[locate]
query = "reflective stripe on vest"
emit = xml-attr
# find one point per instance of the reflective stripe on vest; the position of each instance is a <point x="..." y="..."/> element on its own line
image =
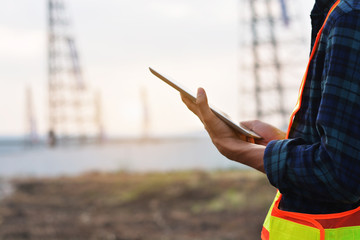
<point x="316" y="45"/>
<point x="284" y="225"/>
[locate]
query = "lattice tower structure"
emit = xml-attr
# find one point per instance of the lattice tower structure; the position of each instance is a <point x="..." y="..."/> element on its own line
<point x="98" y="117"/>
<point x="272" y="58"/>
<point x="31" y="136"/>
<point x="145" y="113"/>
<point x="71" y="103"/>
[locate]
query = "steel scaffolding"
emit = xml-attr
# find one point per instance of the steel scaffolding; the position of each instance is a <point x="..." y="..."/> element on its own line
<point x="71" y="103"/>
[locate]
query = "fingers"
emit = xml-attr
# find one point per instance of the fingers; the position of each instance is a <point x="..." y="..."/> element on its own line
<point x="212" y="124"/>
<point x="246" y="138"/>
<point x="200" y="108"/>
<point x="249" y="124"/>
<point x="191" y="106"/>
<point x="250" y="139"/>
<point x="203" y="106"/>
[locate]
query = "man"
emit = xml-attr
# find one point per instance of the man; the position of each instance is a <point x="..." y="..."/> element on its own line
<point x="316" y="165"/>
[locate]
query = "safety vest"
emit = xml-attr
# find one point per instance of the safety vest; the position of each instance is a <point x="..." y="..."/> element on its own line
<point x="284" y="225"/>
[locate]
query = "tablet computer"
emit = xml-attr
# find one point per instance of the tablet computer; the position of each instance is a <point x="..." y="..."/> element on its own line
<point x="243" y="130"/>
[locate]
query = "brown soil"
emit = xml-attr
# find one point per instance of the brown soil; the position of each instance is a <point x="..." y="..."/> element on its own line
<point x="159" y="206"/>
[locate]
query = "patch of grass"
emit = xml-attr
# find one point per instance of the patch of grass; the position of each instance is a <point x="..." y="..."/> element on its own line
<point x="230" y="199"/>
<point x="174" y="205"/>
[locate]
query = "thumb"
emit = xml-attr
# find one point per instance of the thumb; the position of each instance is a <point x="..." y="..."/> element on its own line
<point x="202" y="102"/>
<point x="248" y="124"/>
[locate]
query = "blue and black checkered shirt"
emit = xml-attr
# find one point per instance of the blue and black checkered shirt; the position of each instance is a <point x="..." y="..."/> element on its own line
<point x="318" y="168"/>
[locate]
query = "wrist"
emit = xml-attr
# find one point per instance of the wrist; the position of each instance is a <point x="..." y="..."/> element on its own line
<point x="252" y="156"/>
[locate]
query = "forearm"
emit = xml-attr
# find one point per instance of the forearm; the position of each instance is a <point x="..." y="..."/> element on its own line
<point x="253" y="156"/>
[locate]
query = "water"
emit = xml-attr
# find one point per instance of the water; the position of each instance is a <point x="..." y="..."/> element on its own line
<point x="131" y="156"/>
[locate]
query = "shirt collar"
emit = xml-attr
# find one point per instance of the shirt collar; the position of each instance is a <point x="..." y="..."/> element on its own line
<point x="318" y="14"/>
<point x="323" y="6"/>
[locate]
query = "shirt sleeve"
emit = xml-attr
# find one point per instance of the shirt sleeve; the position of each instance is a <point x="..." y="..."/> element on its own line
<point x="328" y="170"/>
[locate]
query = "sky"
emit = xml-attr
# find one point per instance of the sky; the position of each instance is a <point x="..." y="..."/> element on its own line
<point x="194" y="41"/>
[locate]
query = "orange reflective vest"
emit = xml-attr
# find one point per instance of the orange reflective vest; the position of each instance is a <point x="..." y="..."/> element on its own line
<point x="284" y="225"/>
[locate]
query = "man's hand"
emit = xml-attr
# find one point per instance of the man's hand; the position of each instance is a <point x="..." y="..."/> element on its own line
<point x="229" y="142"/>
<point x="267" y="131"/>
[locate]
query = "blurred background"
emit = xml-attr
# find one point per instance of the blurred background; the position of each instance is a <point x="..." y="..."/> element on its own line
<point x="93" y="146"/>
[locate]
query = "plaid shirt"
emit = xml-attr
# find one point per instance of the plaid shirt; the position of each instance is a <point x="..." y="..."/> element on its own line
<point x="318" y="168"/>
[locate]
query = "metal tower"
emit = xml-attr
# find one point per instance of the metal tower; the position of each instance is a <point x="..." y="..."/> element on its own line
<point x="30" y="121"/>
<point x="145" y="112"/>
<point x="98" y="117"/>
<point x="268" y="63"/>
<point x="71" y="105"/>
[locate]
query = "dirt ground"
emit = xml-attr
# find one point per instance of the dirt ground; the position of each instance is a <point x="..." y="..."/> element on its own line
<point x="220" y="205"/>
